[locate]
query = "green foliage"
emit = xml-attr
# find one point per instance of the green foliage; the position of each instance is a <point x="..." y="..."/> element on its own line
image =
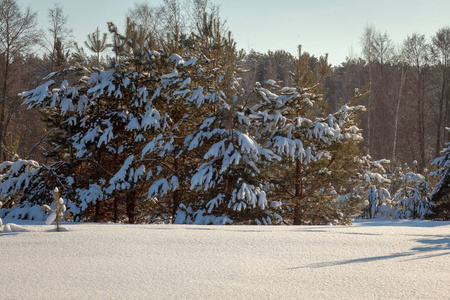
<point x="320" y="153"/>
<point x="10" y="145"/>
<point x="441" y="192"/>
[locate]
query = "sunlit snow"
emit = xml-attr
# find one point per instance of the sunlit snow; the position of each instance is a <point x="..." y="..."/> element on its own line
<point x="369" y="260"/>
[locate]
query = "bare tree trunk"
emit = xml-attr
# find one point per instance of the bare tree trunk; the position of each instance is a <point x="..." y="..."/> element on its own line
<point x="440" y="120"/>
<point x="18" y="35"/>
<point x="97" y="212"/>
<point x="116" y="210"/>
<point x="176" y="202"/>
<point x="4" y="95"/>
<point x="369" y="105"/>
<point x="421" y="119"/>
<point x="397" y="112"/>
<point x="447" y="115"/>
<point x="131" y="208"/>
<point x="441" y="46"/>
<point x="298" y="194"/>
<point x="176" y="198"/>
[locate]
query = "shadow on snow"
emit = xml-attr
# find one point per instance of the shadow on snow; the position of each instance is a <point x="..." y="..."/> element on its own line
<point x="427" y="246"/>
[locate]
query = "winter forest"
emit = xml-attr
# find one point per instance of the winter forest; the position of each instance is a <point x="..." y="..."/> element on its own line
<point x="167" y="121"/>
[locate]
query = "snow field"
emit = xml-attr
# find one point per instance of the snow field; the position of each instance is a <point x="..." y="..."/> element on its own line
<point x="370" y="260"/>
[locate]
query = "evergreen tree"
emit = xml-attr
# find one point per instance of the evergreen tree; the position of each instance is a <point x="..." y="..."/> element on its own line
<point x="441" y="192"/>
<point x="374" y="186"/>
<point x="411" y="198"/>
<point x="25" y="184"/>
<point x="317" y="150"/>
<point x="208" y="137"/>
<point x="96" y="44"/>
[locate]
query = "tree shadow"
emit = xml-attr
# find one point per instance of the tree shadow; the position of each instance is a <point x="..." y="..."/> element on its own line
<point x="434" y="244"/>
<point x="198" y="228"/>
<point x="8" y="233"/>
<point x="400" y="223"/>
<point x="352" y="261"/>
<point x="430" y="247"/>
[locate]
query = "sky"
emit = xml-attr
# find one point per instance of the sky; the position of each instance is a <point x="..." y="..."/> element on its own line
<point x="320" y="26"/>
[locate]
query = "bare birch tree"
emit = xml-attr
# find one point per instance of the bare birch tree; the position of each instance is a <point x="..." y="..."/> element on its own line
<point x="417" y="54"/>
<point x="18" y="34"/>
<point x="367" y="41"/>
<point x="441" y="52"/>
<point x="61" y="36"/>
<point x="403" y="71"/>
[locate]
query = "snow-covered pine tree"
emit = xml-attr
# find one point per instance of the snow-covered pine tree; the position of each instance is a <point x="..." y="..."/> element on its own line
<point x="131" y="122"/>
<point x="229" y="180"/>
<point x="411" y="198"/>
<point x="152" y="86"/>
<point x="15" y="177"/>
<point x="113" y="115"/>
<point x="171" y="112"/>
<point x="208" y="166"/>
<point x="67" y="103"/>
<point x="440" y="195"/>
<point x="373" y="186"/>
<point x="320" y="152"/>
<point x="25" y="185"/>
<point x="180" y="99"/>
<point x="182" y="95"/>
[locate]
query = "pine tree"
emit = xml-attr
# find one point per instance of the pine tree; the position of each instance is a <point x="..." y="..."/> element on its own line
<point x="317" y="149"/>
<point x="96" y="44"/>
<point x="411" y="197"/>
<point x="207" y="116"/>
<point x="441" y="192"/>
<point x="58" y="212"/>
<point x="373" y="187"/>
<point x="25" y="185"/>
<point x="118" y="114"/>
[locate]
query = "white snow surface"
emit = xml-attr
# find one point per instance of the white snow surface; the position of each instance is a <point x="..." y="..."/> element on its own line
<point x="379" y="259"/>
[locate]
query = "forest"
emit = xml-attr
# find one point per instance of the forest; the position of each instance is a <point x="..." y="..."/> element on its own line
<point x="167" y="121"/>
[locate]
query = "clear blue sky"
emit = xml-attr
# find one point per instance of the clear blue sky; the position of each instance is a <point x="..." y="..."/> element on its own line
<point x="321" y="26"/>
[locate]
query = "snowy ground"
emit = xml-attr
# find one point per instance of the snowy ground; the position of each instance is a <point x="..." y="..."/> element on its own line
<point x="369" y="260"/>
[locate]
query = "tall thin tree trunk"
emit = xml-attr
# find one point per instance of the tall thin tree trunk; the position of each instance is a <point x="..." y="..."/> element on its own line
<point x="397" y="112"/>
<point x="4" y="95"/>
<point x="447" y="113"/>
<point x="298" y="194"/>
<point x="131" y="207"/>
<point x="116" y="210"/>
<point x="176" y="198"/>
<point x="421" y="119"/>
<point x="97" y="212"/>
<point x="369" y="105"/>
<point x="440" y="119"/>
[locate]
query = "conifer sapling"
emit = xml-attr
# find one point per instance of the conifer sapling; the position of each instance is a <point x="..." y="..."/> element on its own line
<point x="58" y="212"/>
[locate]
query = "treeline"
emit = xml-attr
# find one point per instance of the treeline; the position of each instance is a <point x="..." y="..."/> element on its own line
<point x="175" y="124"/>
<point x="408" y="104"/>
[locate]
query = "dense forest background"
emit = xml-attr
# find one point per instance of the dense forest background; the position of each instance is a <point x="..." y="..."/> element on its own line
<point x="407" y="85"/>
